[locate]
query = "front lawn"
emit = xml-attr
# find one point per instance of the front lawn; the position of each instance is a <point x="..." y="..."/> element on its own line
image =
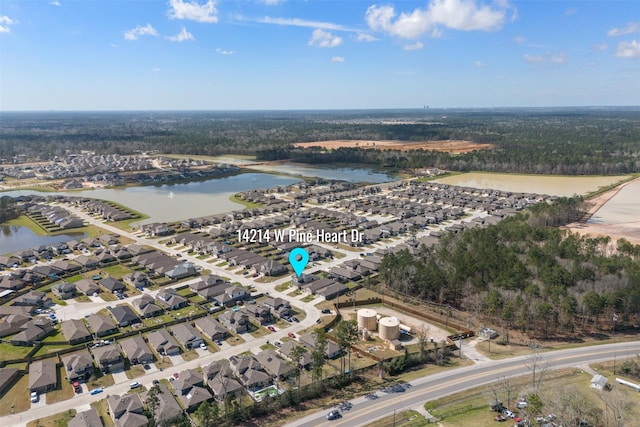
<point x="56" y="420"/>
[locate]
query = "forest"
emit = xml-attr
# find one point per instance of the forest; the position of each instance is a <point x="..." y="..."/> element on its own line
<point x="526" y="273"/>
<point x="541" y="141"/>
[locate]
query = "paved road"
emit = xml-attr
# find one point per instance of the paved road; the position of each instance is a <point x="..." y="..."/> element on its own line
<point x="365" y="411"/>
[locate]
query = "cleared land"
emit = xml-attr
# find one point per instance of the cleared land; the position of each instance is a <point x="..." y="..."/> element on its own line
<point x="448" y="145"/>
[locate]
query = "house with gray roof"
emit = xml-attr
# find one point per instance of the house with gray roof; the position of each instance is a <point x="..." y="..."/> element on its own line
<point x="162" y="342"/>
<point x="286" y="349"/>
<point x="32" y="331"/>
<point x="112" y="285"/>
<point x="211" y="328"/>
<point x="123" y="315"/>
<point x="79" y="365"/>
<point x="275" y="366"/>
<point x="170" y="299"/>
<point x="75" y="331"/>
<point x="109" y="358"/>
<point x="64" y="290"/>
<point x="190" y="390"/>
<point x="43" y="375"/>
<point x="127" y="410"/>
<point x="187" y="335"/>
<point x="8" y="377"/>
<point x="101" y="325"/>
<point x="89" y="418"/>
<point x="136" y="350"/>
<point x="146" y="306"/>
<point x="235" y="321"/>
<point x="224" y="384"/>
<point x="250" y="372"/>
<point x="168" y="408"/>
<point x="88" y="287"/>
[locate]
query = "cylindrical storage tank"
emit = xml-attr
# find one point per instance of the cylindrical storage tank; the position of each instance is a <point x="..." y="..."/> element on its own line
<point x="389" y="328"/>
<point x="367" y="319"/>
<point x="365" y="334"/>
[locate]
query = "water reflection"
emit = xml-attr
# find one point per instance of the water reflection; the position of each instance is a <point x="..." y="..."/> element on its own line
<point x="15" y="238"/>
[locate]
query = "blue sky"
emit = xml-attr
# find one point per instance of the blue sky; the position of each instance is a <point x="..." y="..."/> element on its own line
<point x="325" y="54"/>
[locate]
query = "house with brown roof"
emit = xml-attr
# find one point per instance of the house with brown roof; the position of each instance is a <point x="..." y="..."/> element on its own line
<point x="75" y="331"/>
<point x="224" y="384"/>
<point x="33" y="298"/>
<point x="101" y="325"/>
<point x="162" y="342"/>
<point x="286" y="349"/>
<point x="123" y="315"/>
<point x="275" y="366"/>
<point x="112" y="285"/>
<point x="88" y="287"/>
<point x="79" y="365"/>
<point x="190" y="390"/>
<point x="32" y="331"/>
<point x="12" y="324"/>
<point x="170" y="299"/>
<point x="332" y="349"/>
<point x="168" y="408"/>
<point x="8" y="377"/>
<point x="250" y="372"/>
<point x="43" y="375"/>
<point x="146" y="307"/>
<point x="136" y="350"/>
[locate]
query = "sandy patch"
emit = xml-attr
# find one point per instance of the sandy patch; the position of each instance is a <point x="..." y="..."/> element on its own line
<point x="449" y="145"/>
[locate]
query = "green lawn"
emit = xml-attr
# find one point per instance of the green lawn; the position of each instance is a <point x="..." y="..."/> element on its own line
<point x="16" y="399"/>
<point x="10" y="352"/>
<point x="56" y="420"/>
<point x="117" y="271"/>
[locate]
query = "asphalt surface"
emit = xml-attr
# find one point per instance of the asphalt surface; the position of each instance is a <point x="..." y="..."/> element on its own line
<point x="364" y="411"/>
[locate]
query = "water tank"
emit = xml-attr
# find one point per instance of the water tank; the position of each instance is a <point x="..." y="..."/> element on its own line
<point x="389" y="328"/>
<point x="367" y="319"/>
<point x="365" y="334"/>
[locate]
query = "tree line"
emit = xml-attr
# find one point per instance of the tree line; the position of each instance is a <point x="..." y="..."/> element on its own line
<point x="525" y="273"/>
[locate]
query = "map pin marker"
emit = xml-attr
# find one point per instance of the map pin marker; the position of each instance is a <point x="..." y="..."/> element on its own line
<point x="298" y="258"/>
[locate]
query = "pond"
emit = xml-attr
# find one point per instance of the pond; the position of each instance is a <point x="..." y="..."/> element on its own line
<point x="15" y="238"/>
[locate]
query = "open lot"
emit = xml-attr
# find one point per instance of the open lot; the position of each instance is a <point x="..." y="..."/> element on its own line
<point x="449" y="145"/>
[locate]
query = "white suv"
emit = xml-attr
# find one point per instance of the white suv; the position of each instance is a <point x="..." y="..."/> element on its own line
<point x="34" y="396"/>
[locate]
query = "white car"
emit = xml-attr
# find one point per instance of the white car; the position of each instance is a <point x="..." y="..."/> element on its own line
<point x="203" y="346"/>
<point x="508" y="413"/>
<point x="521" y="405"/>
<point x="34" y="396"/>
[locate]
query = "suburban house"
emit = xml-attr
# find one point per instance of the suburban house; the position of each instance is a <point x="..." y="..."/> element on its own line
<point x="64" y="290"/>
<point x="86" y="261"/>
<point x="279" y="306"/>
<point x="123" y="315"/>
<point x="211" y="328"/>
<point x="181" y="271"/>
<point x="287" y="348"/>
<point x="221" y="380"/>
<point x="146" y="306"/>
<point x="235" y="321"/>
<point x="162" y="342"/>
<point x="32" y="331"/>
<point x="88" y="287"/>
<point x="112" y="285"/>
<point x="127" y="410"/>
<point x="33" y="298"/>
<point x="79" y="365"/>
<point x="250" y="372"/>
<point x="168" y="408"/>
<point x="109" y="358"/>
<point x="75" y="331"/>
<point x="170" y="299"/>
<point x="211" y="292"/>
<point x="89" y="418"/>
<point x="259" y="313"/>
<point x="187" y="335"/>
<point x="8" y="377"/>
<point x="332" y="350"/>
<point x="278" y="368"/>
<point x="101" y="325"/>
<point x="137" y="279"/>
<point x="189" y="389"/>
<point x="43" y="375"/>
<point x="136" y="350"/>
<point x="231" y="296"/>
<point x="12" y="324"/>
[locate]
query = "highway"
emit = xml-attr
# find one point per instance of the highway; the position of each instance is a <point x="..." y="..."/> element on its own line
<point x="365" y="411"/>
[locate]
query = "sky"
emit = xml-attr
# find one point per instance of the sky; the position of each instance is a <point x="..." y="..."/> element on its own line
<point x="317" y="54"/>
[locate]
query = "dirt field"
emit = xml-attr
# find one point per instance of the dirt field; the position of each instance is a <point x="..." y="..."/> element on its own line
<point x="629" y="230"/>
<point x="450" y="146"/>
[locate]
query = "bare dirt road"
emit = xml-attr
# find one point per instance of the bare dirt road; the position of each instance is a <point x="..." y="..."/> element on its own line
<point x="449" y="145"/>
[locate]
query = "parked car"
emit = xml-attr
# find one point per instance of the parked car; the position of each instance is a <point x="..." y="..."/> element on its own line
<point x="76" y="387"/>
<point x="156" y="382"/>
<point x="34" y="396"/>
<point x="333" y="415"/>
<point x="295" y="319"/>
<point x="96" y="390"/>
<point x="134" y="384"/>
<point x="292" y="335"/>
<point x="271" y="328"/>
<point x="203" y="346"/>
<point x="521" y="405"/>
<point x="277" y="343"/>
<point x="508" y="413"/>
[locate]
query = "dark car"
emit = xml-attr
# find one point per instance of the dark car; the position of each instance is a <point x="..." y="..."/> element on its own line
<point x="333" y="415"/>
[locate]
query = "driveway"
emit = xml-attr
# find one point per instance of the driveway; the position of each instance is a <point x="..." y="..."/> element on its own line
<point x="120" y="377"/>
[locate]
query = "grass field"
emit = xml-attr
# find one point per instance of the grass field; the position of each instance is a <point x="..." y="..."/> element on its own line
<point x="401" y="419"/>
<point x="56" y="420"/>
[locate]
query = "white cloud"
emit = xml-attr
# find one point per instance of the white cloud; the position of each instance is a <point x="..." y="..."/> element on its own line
<point x="436" y="33"/>
<point x="182" y="36"/>
<point x="465" y="15"/>
<point x="533" y="59"/>
<point x="193" y="10"/>
<point x="54" y="3"/>
<point x="632" y="27"/>
<point x="628" y="49"/>
<point x="479" y="64"/>
<point x="337" y="59"/>
<point x="224" y="52"/>
<point x="414" y="46"/>
<point x="601" y="46"/>
<point x="296" y="22"/>
<point x="134" y="33"/>
<point x="323" y="38"/>
<point x="364" y="37"/>
<point x="519" y="39"/>
<point x="155" y="70"/>
<point x="5" y="22"/>
<point x="555" y="58"/>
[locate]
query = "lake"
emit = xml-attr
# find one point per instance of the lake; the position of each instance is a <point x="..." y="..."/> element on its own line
<point x="553" y="185"/>
<point x="624" y="207"/>
<point x="15" y="238"/>
<point x="343" y="173"/>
